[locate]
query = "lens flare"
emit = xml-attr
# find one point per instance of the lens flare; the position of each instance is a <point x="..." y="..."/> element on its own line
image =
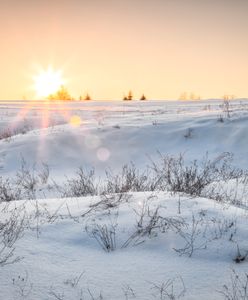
<point x="92" y="141"/>
<point x="48" y="82"/>
<point x="75" y="121"/>
<point x="103" y="154"/>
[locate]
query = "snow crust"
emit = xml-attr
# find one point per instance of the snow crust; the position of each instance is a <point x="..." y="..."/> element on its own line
<point x="61" y="260"/>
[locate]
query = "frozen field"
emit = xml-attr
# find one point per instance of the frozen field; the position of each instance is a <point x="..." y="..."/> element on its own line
<point x="109" y="134"/>
<point x="133" y="243"/>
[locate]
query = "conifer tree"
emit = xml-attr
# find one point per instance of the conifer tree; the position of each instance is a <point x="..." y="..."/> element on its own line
<point x="61" y="94"/>
<point x="143" y="97"/>
<point x="87" y="97"/>
<point x="130" y="96"/>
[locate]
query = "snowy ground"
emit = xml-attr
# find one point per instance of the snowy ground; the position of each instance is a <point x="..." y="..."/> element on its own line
<point x="60" y="257"/>
<point x="62" y="250"/>
<point x="111" y="134"/>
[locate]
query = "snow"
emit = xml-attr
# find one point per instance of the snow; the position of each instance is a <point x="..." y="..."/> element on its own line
<point x="122" y="130"/>
<point x="63" y="250"/>
<point x="60" y="260"/>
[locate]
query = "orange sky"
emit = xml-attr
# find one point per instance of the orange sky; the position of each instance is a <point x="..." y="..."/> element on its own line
<point x="106" y="47"/>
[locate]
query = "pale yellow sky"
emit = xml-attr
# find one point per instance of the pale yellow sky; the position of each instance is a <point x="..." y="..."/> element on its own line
<point x="107" y="47"/>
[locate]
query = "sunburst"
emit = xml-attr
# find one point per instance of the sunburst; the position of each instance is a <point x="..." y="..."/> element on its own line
<point x="47" y="82"/>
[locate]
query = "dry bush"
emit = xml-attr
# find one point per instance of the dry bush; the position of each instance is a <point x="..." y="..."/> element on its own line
<point x="150" y="222"/>
<point x="84" y="184"/>
<point x="104" y="234"/>
<point x="107" y="202"/>
<point x="223" y="226"/>
<point x="174" y="174"/>
<point x="129" y="179"/>
<point x="6" y="134"/>
<point x="169" y="173"/>
<point x="11" y="229"/>
<point x="172" y="289"/>
<point x="229" y="191"/>
<point x="237" y="289"/>
<point x="29" y="180"/>
<point x="192" y="236"/>
<point x="25" y="184"/>
<point x="8" y="190"/>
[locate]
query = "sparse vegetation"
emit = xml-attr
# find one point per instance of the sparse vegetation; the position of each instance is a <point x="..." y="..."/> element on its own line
<point x="174" y="174"/>
<point x="191" y="236"/>
<point x="87" y="97"/>
<point x="237" y="288"/>
<point x="189" y="96"/>
<point x="188" y="133"/>
<point x="143" y="97"/>
<point x="181" y="231"/>
<point x="105" y="235"/>
<point x="11" y="229"/>
<point x="129" y="179"/>
<point x="84" y="184"/>
<point x="150" y="222"/>
<point x="25" y="184"/>
<point x="168" y="173"/>
<point x="129" y="97"/>
<point x="172" y="289"/>
<point x="61" y="94"/>
<point x="101" y="218"/>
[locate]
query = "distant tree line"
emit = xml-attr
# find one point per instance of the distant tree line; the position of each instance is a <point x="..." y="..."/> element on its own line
<point x="228" y="97"/>
<point x="129" y="97"/>
<point x="189" y="96"/>
<point x="192" y="96"/>
<point x="63" y="94"/>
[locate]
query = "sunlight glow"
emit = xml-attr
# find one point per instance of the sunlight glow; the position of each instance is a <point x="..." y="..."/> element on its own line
<point x="103" y="154"/>
<point x="75" y="121"/>
<point x="48" y="82"/>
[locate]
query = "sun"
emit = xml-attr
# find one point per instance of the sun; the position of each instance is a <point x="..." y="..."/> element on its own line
<point x="47" y="82"/>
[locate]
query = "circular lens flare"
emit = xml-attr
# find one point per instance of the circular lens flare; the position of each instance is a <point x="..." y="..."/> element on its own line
<point x="75" y="121"/>
<point x="103" y="154"/>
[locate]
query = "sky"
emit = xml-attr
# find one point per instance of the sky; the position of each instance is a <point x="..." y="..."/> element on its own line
<point x="107" y="47"/>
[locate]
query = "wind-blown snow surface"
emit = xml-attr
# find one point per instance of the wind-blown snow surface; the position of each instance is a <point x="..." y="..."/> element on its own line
<point x="62" y="251"/>
<point x="61" y="260"/>
<point x="114" y="133"/>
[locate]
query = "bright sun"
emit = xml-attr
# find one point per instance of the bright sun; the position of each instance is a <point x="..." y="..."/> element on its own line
<point x="48" y="82"/>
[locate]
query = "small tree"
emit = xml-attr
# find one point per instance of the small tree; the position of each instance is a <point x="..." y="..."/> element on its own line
<point x="130" y="96"/>
<point x="143" y="97"/>
<point x="61" y="94"/>
<point x="228" y="97"/>
<point x="183" y="96"/>
<point x="87" y="97"/>
<point x="192" y="96"/>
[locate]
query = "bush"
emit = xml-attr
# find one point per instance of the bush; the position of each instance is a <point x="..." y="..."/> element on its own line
<point x="104" y="234"/>
<point x="129" y="179"/>
<point x="8" y="191"/>
<point x="199" y="178"/>
<point x="25" y="184"/>
<point x="11" y="230"/>
<point x="174" y="174"/>
<point x="82" y="185"/>
<point x="237" y="289"/>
